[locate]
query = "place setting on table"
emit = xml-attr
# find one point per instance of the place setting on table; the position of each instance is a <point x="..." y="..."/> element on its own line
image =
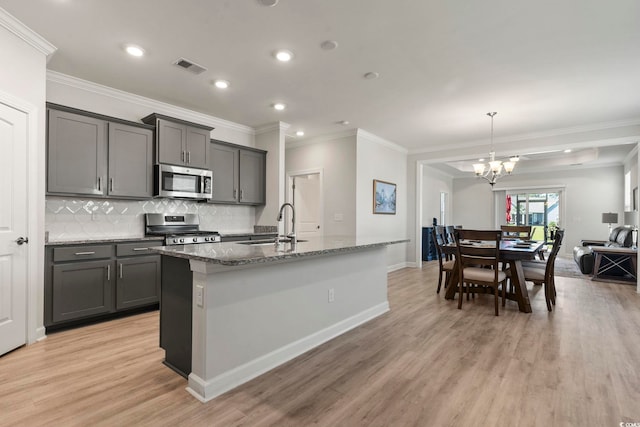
<point x="512" y="251"/>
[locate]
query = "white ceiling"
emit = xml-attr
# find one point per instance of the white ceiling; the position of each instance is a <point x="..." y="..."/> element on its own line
<point x="542" y="65"/>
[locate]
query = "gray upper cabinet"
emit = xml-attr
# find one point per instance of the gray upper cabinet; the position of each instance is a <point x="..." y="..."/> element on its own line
<point x="252" y="177"/>
<point x="94" y="155"/>
<point x="238" y="174"/>
<point x="77" y="154"/>
<point x="224" y="164"/>
<point x="180" y="142"/>
<point x="130" y="161"/>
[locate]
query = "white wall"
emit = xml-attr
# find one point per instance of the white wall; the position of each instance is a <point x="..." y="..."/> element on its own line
<point x="435" y="182"/>
<point x="23" y="77"/>
<point x="336" y="157"/>
<point x="377" y="159"/>
<point x="587" y="194"/>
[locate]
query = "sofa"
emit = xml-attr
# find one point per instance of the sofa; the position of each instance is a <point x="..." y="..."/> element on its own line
<point x="583" y="254"/>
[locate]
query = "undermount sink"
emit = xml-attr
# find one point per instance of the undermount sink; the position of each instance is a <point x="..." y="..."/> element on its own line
<point x="267" y="242"/>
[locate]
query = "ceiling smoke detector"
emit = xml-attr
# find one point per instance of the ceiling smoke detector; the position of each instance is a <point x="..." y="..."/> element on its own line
<point x="189" y="66"/>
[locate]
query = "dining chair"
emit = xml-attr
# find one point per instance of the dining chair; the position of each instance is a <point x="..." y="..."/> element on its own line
<point x="522" y="232"/>
<point x="445" y="263"/>
<point x="449" y="232"/>
<point x="477" y="254"/>
<point x="540" y="276"/>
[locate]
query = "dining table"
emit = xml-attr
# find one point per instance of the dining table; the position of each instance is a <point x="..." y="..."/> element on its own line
<point x="512" y="252"/>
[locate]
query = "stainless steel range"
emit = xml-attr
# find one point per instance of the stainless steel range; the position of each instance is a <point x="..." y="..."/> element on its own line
<point x="180" y="229"/>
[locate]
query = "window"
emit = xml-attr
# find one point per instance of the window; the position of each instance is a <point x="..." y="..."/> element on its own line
<point x="539" y="210"/>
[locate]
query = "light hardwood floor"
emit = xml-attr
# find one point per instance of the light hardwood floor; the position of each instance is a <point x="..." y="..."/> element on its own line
<point x="425" y="363"/>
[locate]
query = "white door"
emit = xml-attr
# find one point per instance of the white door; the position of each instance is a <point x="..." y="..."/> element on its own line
<point x="13" y="226"/>
<point x="307" y="198"/>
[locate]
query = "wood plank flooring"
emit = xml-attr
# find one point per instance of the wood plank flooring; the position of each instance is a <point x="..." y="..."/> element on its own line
<point x="425" y="363"/>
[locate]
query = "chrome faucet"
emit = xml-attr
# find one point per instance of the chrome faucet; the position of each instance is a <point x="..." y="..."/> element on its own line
<point x="291" y="235"/>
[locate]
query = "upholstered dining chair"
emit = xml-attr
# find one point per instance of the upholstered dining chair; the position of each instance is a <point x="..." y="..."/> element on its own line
<point x="477" y="253"/>
<point x="533" y="272"/>
<point x="445" y="263"/>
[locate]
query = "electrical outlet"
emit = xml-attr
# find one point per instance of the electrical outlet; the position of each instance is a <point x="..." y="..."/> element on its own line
<point x="332" y="295"/>
<point x="199" y="295"/>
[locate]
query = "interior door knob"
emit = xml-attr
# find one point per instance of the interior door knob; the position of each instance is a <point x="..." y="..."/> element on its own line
<point x="22" y="240"/>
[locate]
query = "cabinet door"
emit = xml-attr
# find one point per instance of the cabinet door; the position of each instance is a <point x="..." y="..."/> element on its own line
<point x="138" y="281"/>
<point x="82" y="289"/>
<point x="197" y="147"/>
<point x="171" y="139"/>
<point x="224" y="164"/>
<point x="252" y="177"/>
<point x="130" y="161"/>
<point x="76" y="155"/>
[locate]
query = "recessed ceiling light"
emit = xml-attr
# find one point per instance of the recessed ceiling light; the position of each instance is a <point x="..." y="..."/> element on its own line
<point x="371" y="75"/>
<point x="134" y="50"/>
<point x="283" y="55"/>
<point x="279" y="106"/>
<point x="343" y="122"/>
<point x="269" y="3"/>
<point x="329" y="45"/>
<point x="300" y="133"/>
<point x="568" y="150"/>
<point x="481" y="160"/>
<point x="221" y="84"/>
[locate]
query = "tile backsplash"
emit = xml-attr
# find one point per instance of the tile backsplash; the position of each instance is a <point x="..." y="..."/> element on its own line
<point x="86" y="219"/>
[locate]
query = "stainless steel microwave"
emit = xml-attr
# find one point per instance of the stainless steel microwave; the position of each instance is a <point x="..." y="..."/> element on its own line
<point x="183" y="183"/>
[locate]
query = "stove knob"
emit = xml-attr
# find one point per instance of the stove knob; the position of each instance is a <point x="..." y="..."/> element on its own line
<point x="206" y="239"/>
<point x="181" y="240"/>
<point x="175" y="240"/>
<point x="195" y="240"/>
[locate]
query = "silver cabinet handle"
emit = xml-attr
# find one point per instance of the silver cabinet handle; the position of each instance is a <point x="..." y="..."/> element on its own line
<point x="240" y="194"/>
<point x="108" y="272"/>
<point x="140" y="249"/>
<point x="189" y="157"/>
<point x="121" y="270"/>
<point x="182" y="156"/>
<point x="99" y="183"/>
<point x="85" y="253"/>
<point x="110" y="184"/>
<point x="235" y="193"/>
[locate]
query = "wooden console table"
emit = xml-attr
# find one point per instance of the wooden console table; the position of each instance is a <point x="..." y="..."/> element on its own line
<point x="607" y="258"/>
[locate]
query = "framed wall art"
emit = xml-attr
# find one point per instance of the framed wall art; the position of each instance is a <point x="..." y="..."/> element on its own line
<point x="384" y="197"/>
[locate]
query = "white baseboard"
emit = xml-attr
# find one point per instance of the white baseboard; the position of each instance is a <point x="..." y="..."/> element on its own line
<point x="206" y="390"/>
<point x="401" y="265"/>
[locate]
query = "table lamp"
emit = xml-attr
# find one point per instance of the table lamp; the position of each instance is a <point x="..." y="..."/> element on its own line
<point x="609" y="218"/>
<point x="631" y="219"/>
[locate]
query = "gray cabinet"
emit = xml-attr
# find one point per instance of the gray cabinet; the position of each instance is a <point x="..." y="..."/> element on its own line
<point x="83" y="282"/>
<point x="94" y="155"/>
<point x="238" y="174"/>
<point x="180" y="142"/>
<point x="130" y="161"/>
<point x="76" y="154"/>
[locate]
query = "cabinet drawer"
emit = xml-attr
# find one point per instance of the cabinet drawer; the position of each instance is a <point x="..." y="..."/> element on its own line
<point x="137" y="248"/>
<point x="77" y="253"/>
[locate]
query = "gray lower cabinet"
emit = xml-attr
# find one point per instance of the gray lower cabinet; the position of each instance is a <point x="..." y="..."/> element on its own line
<point x="239" y="174"/>
<point x="82" y="289"/>
<point x="138" y="281"/>
<point x="180" y="142"/>
<point x="86" y="281"/>
<point x="93" y="155"/>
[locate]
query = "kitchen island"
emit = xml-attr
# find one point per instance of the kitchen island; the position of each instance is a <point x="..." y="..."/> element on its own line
<point x="237" y="310"/>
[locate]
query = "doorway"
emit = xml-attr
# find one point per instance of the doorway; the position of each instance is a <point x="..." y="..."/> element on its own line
<point x="540" y="210"/>
<point x="306" y="194"/>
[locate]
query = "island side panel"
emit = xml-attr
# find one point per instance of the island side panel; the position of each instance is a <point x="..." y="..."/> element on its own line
<point x="256" y="317"/>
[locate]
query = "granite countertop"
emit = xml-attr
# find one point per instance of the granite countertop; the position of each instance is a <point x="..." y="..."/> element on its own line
<point x="234" y="253"/>
<point x="104" y="241"/>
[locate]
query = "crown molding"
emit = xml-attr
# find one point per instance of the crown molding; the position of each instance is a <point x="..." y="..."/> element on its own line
<point x="280" y="126"/>
<point x="152" y="104"/>
<point x="25" y="33"/>
<point x="532" y="136"/>
<point x="381" y="141"/>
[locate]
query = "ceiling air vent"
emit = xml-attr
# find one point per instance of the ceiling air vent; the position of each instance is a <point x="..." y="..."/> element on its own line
<point x="189" y="66"/>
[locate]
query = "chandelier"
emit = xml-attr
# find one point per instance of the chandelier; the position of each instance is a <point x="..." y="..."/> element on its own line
<point x="494" y="171"/>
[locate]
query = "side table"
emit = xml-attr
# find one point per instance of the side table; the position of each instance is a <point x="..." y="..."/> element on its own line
<point x="608" y="259"/>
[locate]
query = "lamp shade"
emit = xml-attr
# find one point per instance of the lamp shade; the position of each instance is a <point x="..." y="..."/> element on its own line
<point x="609" y="218"/>
<point x="631" y="218"/>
